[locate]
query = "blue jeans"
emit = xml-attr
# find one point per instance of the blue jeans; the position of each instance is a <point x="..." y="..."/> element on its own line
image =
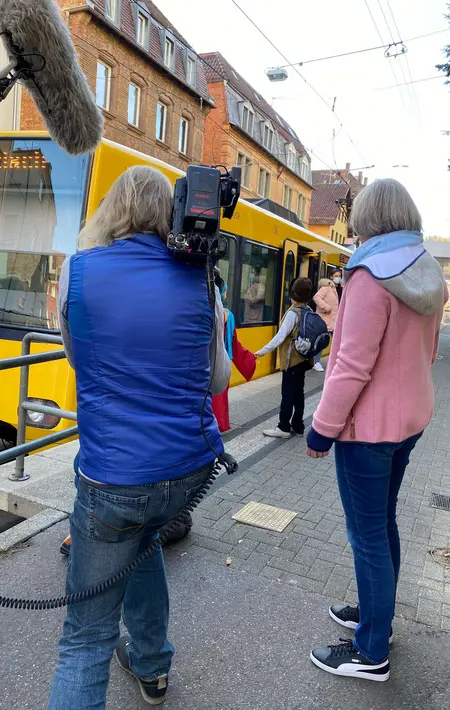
<point x="110" y="526"/>
<point x="369" y="478"/>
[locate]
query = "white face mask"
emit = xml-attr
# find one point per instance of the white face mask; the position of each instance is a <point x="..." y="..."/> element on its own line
<point x="337" y="281"/>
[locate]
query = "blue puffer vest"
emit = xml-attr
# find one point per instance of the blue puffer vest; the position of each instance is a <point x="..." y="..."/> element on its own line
<point x="141" y="326"/>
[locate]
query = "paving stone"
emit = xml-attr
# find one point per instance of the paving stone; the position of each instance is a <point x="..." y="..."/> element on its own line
<point x="321" y="571"/>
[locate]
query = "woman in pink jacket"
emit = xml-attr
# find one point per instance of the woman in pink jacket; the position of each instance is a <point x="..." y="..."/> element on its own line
<point x="377" y="400"/>
<point x="327" y="306"/>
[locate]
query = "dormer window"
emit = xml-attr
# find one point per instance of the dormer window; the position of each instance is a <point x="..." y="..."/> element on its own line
<point x="142" y="29"/>
<point x="268" y="136"/>
<point x="169" y="53"/>
<point x="191" y="71"/>
<point x="291" y="157"/>
<point x="112" y="10"/>
<point x="248" y="118"/>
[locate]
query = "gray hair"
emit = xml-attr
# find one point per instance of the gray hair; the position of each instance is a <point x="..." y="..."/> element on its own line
<point x="140" y="200"/>
<point x="382" y="207"/>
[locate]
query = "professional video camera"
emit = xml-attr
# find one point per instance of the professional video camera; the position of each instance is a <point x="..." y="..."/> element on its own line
<point x="195" y="235"/>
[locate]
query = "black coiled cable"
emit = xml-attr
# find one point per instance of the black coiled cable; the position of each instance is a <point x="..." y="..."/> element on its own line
<point x="101" y="587"/>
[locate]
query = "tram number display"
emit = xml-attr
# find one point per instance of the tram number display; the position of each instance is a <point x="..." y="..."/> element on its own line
<point x="23" y="160"/>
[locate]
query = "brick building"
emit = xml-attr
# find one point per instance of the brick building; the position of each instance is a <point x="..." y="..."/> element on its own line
<point x="147" y="78"/>
<point x="330" y="205"/>
<point x="341" y="177"/>
<point x="244" y="129"/>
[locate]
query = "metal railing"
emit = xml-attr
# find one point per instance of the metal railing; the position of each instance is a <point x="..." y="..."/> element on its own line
<point x="24" y="361"/>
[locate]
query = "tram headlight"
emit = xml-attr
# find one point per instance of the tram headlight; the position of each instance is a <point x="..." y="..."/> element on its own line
<point x="41" y="420"/>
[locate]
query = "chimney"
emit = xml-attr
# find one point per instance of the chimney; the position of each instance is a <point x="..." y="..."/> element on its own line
<point x="360" y="178"/>
<point x="347" y="166"/>
<point x="366" y="180"/>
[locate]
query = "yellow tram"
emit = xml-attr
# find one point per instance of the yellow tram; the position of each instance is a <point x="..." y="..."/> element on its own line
<point x="45" y="195"/>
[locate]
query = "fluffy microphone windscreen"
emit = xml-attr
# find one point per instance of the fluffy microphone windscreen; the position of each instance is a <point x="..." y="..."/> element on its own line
<point x="59" y="87"/>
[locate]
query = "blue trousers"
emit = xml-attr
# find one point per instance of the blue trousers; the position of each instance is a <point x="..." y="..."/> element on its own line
<point x="369" y="478"/>
<point x="110" y="526"/>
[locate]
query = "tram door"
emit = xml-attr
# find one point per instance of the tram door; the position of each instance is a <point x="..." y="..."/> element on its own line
<point x="290" y="265"/>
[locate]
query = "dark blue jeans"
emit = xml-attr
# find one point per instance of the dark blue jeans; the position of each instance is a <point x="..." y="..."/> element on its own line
<point x="110" y="526"/>
<point x="369" y="477"/>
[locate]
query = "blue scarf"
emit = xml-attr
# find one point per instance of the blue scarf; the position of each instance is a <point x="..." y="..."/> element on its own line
<point x="387" y="255"/>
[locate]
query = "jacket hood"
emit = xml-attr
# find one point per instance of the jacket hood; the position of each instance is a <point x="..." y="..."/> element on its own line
<point x="402" y="265"/>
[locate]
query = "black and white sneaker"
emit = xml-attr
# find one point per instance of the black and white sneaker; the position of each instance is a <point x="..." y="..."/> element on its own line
<point x="153" y="691"/>
<point x="348" y="616"/>
<point x="345" y="660"/>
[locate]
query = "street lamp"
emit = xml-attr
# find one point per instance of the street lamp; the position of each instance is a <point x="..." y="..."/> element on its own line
<point x="276" y="74"/>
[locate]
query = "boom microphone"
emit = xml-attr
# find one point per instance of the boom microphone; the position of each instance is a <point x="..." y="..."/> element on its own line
<point x="42" y="57"/>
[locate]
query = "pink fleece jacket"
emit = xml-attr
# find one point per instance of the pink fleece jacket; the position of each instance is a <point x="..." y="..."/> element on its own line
<point x="378" y="386"/>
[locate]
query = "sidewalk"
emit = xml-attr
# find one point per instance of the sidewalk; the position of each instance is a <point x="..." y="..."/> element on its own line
<point x="243" y="632"/>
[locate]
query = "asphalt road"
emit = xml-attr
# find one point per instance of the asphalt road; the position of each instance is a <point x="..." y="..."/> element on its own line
<point x="242" y="643"/>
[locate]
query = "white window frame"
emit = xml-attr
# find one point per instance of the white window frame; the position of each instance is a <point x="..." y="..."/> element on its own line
<point x="291" y="157"/>
<point x="114" y="15"/>
<point x="288" y="194"/>
<point x="169" y="53"/>
<point x="265" y="177"/>
<point x="246" y="163"/>
<point x="107" y="88"/>
<point x="137" y="106"/>
<point x="191" y="71"/>
<point x="269" y="131"/>
<point x="183" y="140"/>
<point x="142" y="29"/>
<point x="164" y="122"/>
<point x="248" y="118"/>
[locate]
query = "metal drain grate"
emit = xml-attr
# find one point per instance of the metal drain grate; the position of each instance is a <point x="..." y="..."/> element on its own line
<point x="265" y="516"/>
<point x="440" y="501"/>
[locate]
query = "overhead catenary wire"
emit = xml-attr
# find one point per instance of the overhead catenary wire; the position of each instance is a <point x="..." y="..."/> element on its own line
<point x="318" y="94"/>
<point x="408" y="67"/>
<point x="362" y="50"/>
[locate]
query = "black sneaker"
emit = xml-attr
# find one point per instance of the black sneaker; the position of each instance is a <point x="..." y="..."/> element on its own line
<point x="153" y="691"/>
<point x="348" y="616"/>
<point x="345" y="660"/>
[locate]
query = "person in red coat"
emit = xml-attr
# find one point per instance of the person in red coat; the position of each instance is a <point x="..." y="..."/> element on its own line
<point x="242" y="358"/>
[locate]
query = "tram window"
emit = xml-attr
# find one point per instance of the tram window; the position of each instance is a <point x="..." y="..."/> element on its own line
<point x="227" y="268"/>
<point x="258" y="284"/>
<point x="41" y="204"/>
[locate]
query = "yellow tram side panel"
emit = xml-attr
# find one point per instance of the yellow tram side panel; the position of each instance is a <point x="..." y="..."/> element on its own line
<point x="55" y="381"/>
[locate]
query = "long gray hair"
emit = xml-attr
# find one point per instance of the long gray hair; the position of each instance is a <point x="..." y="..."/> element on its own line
<point x="140" y="200"/>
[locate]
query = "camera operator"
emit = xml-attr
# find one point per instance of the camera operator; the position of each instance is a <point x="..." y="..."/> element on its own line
<point x="142" y="362"/>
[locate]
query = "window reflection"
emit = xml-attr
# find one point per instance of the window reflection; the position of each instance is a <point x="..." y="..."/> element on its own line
<point x="41" y="203"/>
<point x="258" y="284"/>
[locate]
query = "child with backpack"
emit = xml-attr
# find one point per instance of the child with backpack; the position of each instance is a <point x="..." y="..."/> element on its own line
<point x="301" y="336"/>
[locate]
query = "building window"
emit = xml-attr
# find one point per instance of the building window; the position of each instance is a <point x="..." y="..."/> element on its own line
<point x="248" y="119"/>
<point x="169" y="53"/>
<point x="287" y="197"/>
<point x="161" y="121"/>
<point x="184" y="136"/>
<point x="291" y="157"/>
<point x="142" y="29"/>
<point x="246" y="164"/>
<point x="112" y="10"/>
<point x="191" y="73"/>
<point x="264" y="183"/>
<point x="103" y="85"/>
<point x="332" y="235"/>
<point x="301" y="207"/>
<point x="268" y="137"/>
<point x="259" y="291"/>
<point x="134" y="104"/>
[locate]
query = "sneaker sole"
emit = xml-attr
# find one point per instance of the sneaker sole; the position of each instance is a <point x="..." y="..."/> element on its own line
<point x="276" y="436"/>
<point x="351" y="624"/>
<point x="149" y="701"/>
<point x="378" y="677"/>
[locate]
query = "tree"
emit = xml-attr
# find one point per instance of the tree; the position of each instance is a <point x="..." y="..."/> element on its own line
<point x="445" y="68"/>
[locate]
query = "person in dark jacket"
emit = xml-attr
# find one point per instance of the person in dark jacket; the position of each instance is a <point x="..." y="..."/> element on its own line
<point x="142" y="365"/>
<point x="336" y="277"/>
